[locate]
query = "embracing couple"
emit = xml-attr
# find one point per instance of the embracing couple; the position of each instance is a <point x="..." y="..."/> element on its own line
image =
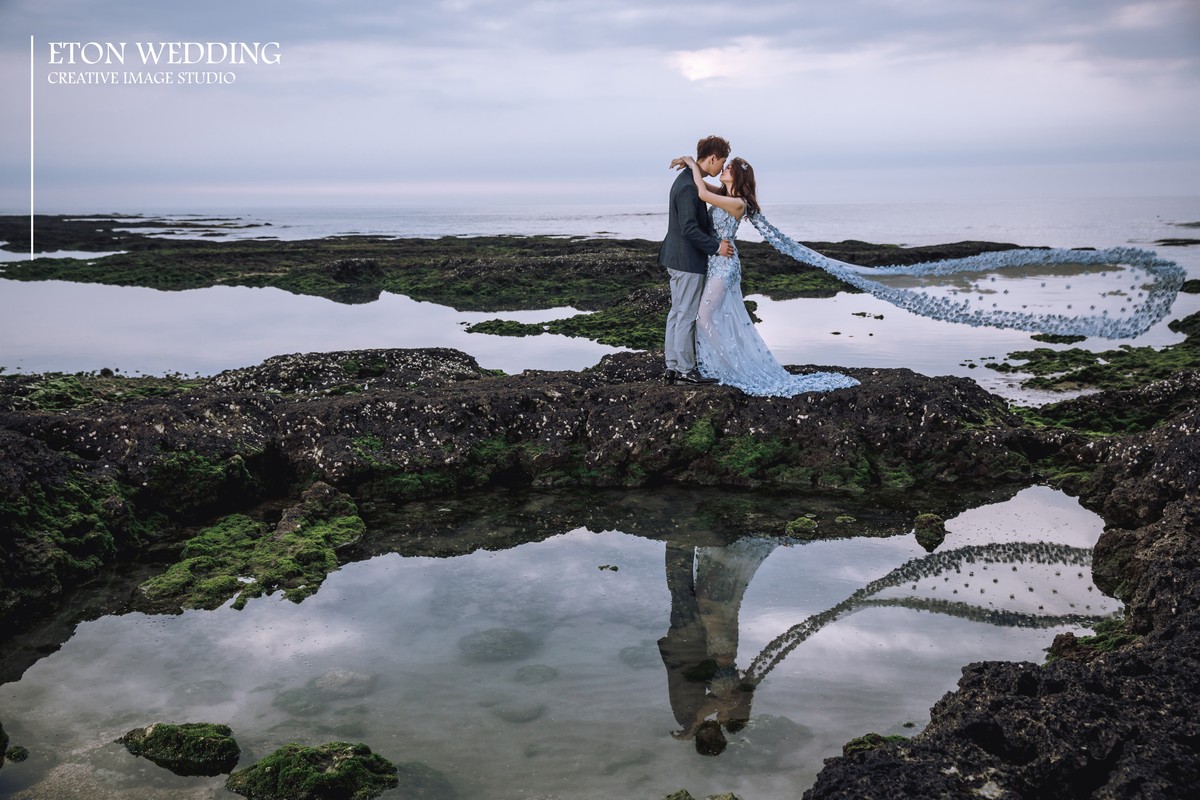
<point x="710" y="337"/>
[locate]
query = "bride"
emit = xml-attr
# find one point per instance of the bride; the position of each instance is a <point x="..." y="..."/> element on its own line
<point x="1127" y="291"/>
<point x="728" y="347"/>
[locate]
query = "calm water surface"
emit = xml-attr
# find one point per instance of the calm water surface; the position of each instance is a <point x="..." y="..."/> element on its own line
<point x="540" y="671"/>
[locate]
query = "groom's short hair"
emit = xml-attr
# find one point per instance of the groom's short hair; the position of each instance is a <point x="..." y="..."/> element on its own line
<point x="712" y="146"/>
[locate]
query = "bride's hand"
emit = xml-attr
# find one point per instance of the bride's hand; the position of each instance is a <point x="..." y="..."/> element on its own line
<point x="679" y="163"/>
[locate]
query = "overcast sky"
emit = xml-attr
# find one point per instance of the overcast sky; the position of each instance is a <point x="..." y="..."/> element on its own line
<point x="540" y="101"/>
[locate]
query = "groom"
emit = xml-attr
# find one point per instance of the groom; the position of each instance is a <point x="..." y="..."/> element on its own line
<point x="685" y="251"/>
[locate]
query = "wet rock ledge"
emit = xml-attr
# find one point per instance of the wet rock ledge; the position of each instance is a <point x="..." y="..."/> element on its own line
<point x="1116" y="715"/>
<point x="94" y="469"/>
<point x="97" y="476"/>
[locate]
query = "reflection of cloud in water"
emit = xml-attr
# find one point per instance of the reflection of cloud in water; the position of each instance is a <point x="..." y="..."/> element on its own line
<point x="603" y="722"/>
<point x="55" y="325"/>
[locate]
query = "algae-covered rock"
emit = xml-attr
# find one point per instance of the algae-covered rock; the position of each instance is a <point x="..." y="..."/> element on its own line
<point x="334" y="771"/>
<point x="802" y="527"/>
<point x="241" y="557"/>
<point x="869" y="741"/>
<point x="930" y="530"/>
<point x="193" y="748"/>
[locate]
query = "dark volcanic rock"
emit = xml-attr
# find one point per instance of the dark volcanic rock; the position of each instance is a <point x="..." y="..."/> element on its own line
<point x="404" y="424"/>
<point x="1111" y="721"/>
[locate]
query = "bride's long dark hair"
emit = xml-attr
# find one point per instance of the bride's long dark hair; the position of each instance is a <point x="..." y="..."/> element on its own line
<point x="742" y="175"/>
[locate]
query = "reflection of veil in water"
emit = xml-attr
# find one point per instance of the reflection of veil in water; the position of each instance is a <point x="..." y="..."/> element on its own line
<point x="939" y="564"/>
<point x="1127" y="306"/>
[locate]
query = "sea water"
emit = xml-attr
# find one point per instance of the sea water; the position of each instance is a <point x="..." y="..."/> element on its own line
<point x="535" y="671"/>
<point x="58" y="326"/>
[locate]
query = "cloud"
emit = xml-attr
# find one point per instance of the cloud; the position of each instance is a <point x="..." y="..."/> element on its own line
<point x="544" y="93"/>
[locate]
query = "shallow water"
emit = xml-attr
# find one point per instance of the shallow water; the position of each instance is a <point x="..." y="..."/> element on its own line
<point x="535" y="671"/>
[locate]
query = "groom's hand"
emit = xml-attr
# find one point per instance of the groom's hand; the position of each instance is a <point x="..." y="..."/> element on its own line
<point x="726" y="249"/>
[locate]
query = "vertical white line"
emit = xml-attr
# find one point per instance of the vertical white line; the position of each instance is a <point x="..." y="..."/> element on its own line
<point x="31" y="71"/>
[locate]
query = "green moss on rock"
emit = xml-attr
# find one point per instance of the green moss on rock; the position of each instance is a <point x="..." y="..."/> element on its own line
<point x="192" y="748"/>
<point x="240" y="556"/>
<point x="186" y="481"/>
<point x="870" y="741"/>
<point x="58" y="531"/>
<point x="1109" y="635"/>
<point x="334" y="771"/>
<point x="804" y="527"/>
<point x="1124" y="368"/>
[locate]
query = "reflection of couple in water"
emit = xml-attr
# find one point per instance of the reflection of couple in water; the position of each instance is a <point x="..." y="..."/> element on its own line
<point x="700" y="650"/>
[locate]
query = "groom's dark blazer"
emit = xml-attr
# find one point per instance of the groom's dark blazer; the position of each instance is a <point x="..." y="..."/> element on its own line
<point x="690" y="239"/>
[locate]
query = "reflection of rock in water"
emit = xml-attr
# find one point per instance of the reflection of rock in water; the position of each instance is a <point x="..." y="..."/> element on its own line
<point x="497" y="644"/>
<point x="534" y="674"/>
<point x="969" y="589"/>
<point x="641" y="656"/>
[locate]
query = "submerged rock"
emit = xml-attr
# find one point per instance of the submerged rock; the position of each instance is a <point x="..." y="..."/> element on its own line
<point x="192" y="748"/>
<point x="518" y="711"/>
<point x="497" y="644"/>
<point x="334" y="771"/>
<point x="342" y="683"/>
<point x="534" y="674"/>
<point x="314" y="697"/>
<point x="418" y="781"/>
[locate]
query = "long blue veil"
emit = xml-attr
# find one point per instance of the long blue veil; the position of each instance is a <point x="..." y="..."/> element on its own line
<point x="1119" y="293"/>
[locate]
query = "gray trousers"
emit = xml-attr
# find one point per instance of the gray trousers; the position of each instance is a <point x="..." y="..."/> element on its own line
<point x="680" y="343"/>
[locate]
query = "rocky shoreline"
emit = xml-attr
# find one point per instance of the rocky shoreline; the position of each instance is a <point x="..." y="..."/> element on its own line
<point x="327" y="436"/>
<point x="168" y="493"/>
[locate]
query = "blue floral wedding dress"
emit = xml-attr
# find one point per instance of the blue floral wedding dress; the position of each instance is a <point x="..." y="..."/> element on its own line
<point x="729" y="348"/>
<point x="1127" y="291"/>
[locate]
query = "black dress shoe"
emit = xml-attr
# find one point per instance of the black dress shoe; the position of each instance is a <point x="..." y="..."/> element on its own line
<point x="670" y="376"/>
<point x="693" y="376"/>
